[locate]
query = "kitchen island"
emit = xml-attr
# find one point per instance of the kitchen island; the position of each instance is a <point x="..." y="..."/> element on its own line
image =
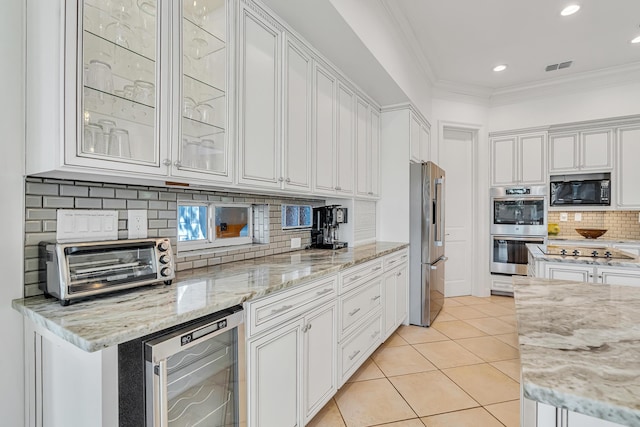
<point x="579" y="351"/>
<point x="622" y="269"/>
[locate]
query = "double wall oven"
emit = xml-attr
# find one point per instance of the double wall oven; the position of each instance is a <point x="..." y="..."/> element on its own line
<point x="518" y="217"/>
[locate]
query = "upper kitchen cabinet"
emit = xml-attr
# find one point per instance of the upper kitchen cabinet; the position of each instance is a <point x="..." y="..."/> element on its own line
<point x="334" y="130"/>
<point x="588" y="150"/>
<point x="412" y="132"/>
<point x="260" y="99"/>
<point x="628" y="173"/>
<point x="420" y="138"/>
<point x="518" y="159"/>
<point x="107" y="78"/>
<point x="367" y="149"/>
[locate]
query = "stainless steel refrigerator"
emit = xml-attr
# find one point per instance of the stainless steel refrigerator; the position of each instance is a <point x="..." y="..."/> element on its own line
<point x="426" y="249"/>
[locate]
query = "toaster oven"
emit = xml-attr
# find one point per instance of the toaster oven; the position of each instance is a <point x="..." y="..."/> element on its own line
<point x="78" y="270"/>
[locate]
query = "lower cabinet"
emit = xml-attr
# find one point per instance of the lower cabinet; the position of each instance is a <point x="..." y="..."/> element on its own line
<point x="501" y="284"/>
<point x="592" y="274"/>
<point x="395" y="298"/>
<point x="355" y="348"/>
<point x="536" y="414"/>
<point x="294" y="363"/>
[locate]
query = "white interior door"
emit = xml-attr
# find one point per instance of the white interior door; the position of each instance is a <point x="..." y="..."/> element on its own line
<point x="456" y="158"/>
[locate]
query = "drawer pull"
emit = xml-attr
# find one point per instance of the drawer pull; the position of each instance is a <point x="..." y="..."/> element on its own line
<point x="354" y="311"/>
<point x="398" y="274"/>
<point x="281" y="309"/>
<point x="354" y="354"/>
<point x="393" y="261"/>
<point x="324" y="291"/>
<point x="403" y="257"/>
<point x="377" y="268"/>
<point x="375" y="334"/>
<point x="375" y="298"/>
<point x="354" y="278"/>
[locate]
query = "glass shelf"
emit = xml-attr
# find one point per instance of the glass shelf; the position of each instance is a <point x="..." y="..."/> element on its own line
<point x="197" y="129"/>
<point x="200" y="91"/>
<point x="115" y="106"/>
<point x="192" y="32"/>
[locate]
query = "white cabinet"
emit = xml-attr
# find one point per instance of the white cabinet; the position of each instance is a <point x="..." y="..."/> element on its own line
<point x="367" y="149"/>
<point x="296" y="139"/>
<point x="518" y="159"/>
<point x="395" y="298"/>
<point x="425" y="143"/>
<point x="345" y="141"/>
<point x="259" y="137"/>
<point x="414" y="138"/>
<point x="319" y="359"/>
<point x="608" y="275"/>
<point x="536" y="414"/>
<point x="628" y="172"/>
<point x="501" y="284"/>
<point x="324" y="130"/>
<point x="588" y="150"/>
<point x="628" y="247"/>
<point x="274" y="371"/>
<point x="130" y="96"/>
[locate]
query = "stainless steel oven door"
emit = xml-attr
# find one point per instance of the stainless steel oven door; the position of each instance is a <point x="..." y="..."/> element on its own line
<point x="509" y="254"/>
<point x="526" y="216"/>
<point x="194" y="376"/>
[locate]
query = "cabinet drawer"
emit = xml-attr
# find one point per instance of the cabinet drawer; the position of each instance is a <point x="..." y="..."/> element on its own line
<point x="354" y="350"/>
<point x="272" y="310"/>
<point x="358" y="274"/>
<point x="358" y="303"/>
<point x="395" y="259"/>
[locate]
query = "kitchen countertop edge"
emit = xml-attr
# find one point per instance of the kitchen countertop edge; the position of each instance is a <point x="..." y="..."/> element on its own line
<point x="77" y="329"/>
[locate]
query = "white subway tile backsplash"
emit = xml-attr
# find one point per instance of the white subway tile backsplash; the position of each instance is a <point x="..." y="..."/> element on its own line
<point x="34" y="188"/>
<point x="74" y="191"/>
<point x="88" y="203"/>
<point x="108" y="193"/>
<point x="57" y="202"/>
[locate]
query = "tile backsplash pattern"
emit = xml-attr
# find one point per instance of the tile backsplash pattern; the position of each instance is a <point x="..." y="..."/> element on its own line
<point x="619" y="224"/>
<point x="44" y="196"/>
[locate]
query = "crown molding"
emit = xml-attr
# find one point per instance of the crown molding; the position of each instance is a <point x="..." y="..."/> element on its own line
<point x="398" y="18"/>
<point x="574" y="83"/>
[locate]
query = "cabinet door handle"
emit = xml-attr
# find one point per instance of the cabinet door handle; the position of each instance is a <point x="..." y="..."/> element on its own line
<point x="370" y="193"/>
<point x="338" y="188"/>
<point x="177" y="163"/>
<point x="305" y="328"/>
<point x="398" y="274"/>
<point x="281" y="309"/>
<point x="309" y="326"/>
<point x="324" y="291"/>
<point x="166" y="162"/>
<point x="357" y="352"/>
<point x="280" y="179"/>
<point x="288" y="180"/>
<point x="375" y="298"/>
<point x="354" y="311"/>
<point x="375" y="334"/>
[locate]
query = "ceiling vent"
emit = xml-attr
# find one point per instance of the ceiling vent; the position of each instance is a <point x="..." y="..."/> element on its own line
<point x="560" y="66"/>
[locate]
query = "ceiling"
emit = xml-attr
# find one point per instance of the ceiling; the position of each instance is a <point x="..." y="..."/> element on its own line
<point x="458" y="42"/>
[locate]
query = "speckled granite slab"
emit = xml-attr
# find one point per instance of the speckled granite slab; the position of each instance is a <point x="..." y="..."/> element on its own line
<point x="539" y="255"/>
<point x="116" y="318"/>
<point x="580" y="346"/>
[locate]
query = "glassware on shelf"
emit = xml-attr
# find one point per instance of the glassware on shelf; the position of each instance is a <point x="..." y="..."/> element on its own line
<point x="128" y="91"/>
<point x="189" y="109"/>
<point x="206" y="112"/>
<point x="93" y="139"/>
<point x="120" y="9"/>
<point x="119" y="143"/>
<point x="144" y="92"/>
<point x="120" y="33"/>
<point x="99" y="76"/>
<point x="107" y="125"/>
<point x="147" y="6"/>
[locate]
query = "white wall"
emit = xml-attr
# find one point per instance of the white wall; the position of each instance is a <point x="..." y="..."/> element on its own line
<point x="585" y="104"/>
<point x="11" y="214"/>
<point x="370" y="21"/>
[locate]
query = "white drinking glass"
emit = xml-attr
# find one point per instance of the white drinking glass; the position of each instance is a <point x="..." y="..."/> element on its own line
<point x="144" y="92"/>
<point x="120" y="33"/>
<point x="99" y="76"/>
<point x="205" y="111"/>
<point x="119" y="143"/>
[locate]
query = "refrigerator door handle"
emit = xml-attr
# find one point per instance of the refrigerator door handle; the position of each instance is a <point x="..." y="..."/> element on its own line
<point x="439" y="214"/>
<point x="434" y="266"/>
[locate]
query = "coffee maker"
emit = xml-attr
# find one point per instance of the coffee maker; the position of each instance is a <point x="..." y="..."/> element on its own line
<point x="326" y="220"/>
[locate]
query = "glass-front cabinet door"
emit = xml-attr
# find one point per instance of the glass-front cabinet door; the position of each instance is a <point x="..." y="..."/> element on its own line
<point x="120" y="88"/>
<point x="200" y="137"/>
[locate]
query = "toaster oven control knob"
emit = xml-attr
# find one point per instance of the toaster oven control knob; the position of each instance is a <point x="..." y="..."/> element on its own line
<point x="164" y="259"/>
<point x="163" y="246"/>
<point x="166" y="272"/>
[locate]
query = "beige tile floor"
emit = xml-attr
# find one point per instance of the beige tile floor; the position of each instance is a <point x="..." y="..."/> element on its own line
<point x="463" y="371"/>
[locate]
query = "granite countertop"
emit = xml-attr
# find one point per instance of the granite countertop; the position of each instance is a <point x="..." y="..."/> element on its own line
<point x="580" y="346"/>
<point x="602" y="240"/>
<point x="538" y="254"/>
<point x="109" y="320"/>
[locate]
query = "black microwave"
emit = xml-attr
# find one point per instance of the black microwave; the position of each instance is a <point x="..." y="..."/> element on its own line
<point x="581" y="190"/>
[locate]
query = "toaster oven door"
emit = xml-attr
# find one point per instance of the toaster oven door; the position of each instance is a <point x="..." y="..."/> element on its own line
<point x="93" y="268"/>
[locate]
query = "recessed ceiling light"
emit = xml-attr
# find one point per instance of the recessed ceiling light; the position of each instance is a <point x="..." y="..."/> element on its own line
<point x="501" y="67"/>
<point x="636" y="40"/>
<point x="570" y="10"/>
